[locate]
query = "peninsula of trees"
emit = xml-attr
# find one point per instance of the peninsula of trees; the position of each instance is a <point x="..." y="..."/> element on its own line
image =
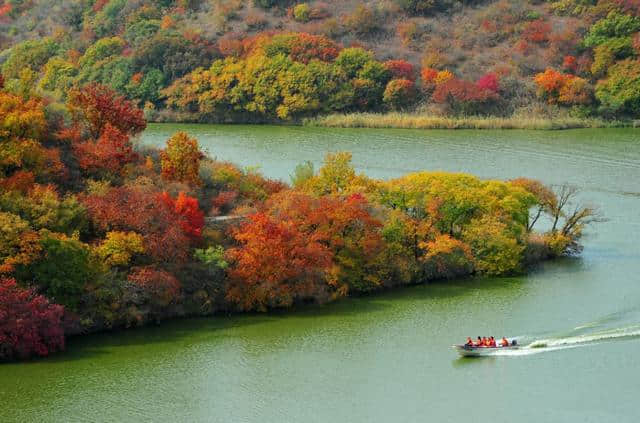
<point x="96" y="234"/>
<point x="285" y="61"/>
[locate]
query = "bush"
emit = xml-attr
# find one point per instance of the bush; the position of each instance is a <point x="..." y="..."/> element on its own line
<point x="399" y="94"/>
<point x="29" y="324"/>
<point x="302" y="12"/>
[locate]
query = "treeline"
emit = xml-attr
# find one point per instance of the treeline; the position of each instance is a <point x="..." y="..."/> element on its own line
<point x="98" y="234"/>
<point x="269" y="60"/>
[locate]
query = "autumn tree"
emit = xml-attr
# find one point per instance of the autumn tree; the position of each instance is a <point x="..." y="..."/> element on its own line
<point x="399" y="94"/>
<point x="61" y="271"/>
<point x="180" y="160"/>
<point x="275" y="264"/>
<point x="119" y="248"/>
<point x="191" y="217"/>
<point x="108" y="154"/>
<point x="620" y="91"/>
<point x="161" y="286"/>
<point x="127" y="209"/>
<point x="94" y="106"/>
<point x="29" y="324"/>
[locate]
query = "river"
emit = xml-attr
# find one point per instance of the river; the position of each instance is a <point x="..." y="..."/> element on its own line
<point x="387" y="357"/>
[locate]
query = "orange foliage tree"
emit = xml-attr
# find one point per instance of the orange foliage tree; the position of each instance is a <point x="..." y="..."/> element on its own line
<point x="180" y="160"/>
<point x="567" y="89"/>
<point x="337" y="240"/>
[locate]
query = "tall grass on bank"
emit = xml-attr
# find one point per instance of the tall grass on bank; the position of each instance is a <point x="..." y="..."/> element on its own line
<point x="420" y="121"/>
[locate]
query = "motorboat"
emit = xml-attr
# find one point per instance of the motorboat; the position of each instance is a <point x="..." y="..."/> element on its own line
<point x="470" y="351"/>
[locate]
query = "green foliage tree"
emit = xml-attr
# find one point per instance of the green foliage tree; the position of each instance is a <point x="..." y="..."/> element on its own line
<point x="620" y="91"/>
<point x="62" y="271"/>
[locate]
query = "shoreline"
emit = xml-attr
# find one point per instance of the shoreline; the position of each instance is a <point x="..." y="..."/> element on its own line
<point x="420" y="121"/>
<point x="394" y="120"/>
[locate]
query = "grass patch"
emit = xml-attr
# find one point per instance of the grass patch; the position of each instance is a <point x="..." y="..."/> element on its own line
<point x="420" y="121"/>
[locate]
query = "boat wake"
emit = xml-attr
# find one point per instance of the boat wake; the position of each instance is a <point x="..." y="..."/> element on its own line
<point x="589" y="334"/>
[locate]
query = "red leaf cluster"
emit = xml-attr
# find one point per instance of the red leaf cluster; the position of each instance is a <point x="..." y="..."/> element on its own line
<point x="161" y="285"/>
<point x="305" y="47"/>
<point x="95" y="106"/>
<point x="537" y="31"/>
<point x="489" y="82"/>
<point x="192" y="218"/>
<point x="462" y="91"/>
<point x="570" y="63"/>
<point x="22" y="181"/>
<point x="128" y="209"/>
<point x="29" y="323"/>
<point x="401" y="69"/>
<point x="110" y="152"/>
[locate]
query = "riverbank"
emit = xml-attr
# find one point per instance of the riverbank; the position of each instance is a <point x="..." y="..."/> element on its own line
<point x="422" y="121"/>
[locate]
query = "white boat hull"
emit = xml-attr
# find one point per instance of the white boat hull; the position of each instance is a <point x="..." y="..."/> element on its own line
<point x="466" y="351"/>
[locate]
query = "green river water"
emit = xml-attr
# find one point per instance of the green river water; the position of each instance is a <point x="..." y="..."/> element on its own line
<point x="387" y="357"/>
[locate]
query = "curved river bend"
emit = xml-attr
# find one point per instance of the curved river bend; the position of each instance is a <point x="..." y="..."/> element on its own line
<point x="386" y="358"/>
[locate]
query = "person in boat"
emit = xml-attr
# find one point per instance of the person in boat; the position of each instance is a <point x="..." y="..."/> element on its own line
<point x="478" y="342"/>
<point x="504" y="342"/>
<point x="485" y="342"/>
<point x="469" y="342"/>
<point x="492" y="342"/>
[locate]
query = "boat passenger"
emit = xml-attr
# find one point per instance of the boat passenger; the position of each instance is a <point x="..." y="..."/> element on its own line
<point x="504" y="342"/>
<point x="469" y="342"/>
<point x="492" y="342"/>
<point x="478" y="342"/>
<point x="485" y="342"/>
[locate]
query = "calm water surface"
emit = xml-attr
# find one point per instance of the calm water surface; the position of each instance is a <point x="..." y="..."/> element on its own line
<point x="386" y="358"/>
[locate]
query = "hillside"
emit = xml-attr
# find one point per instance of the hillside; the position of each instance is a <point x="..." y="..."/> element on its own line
<point x="284" y="60"/>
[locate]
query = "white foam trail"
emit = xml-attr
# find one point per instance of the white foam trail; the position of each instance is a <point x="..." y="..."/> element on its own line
<point x="630" y="332"/>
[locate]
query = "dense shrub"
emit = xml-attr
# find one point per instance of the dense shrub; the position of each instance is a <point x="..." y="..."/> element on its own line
<point x="29" y="324"/>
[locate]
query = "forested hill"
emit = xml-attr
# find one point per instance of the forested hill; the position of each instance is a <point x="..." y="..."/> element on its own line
<point x="270" y="60"/>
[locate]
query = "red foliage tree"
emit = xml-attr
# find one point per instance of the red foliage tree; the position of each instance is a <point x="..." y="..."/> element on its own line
<point x="192" y="218"/>
<point x="537" y="31"/>
<point x="128" y="209"/>
<point x="570" y="63"/>
<point x="110" y="152"/>
<point x="460" y="92"/>
<point x="401" y="69"/>
<point x="305" y="47"/>
<point x="94" y="106"/>
<point x="162" y="286"/>
<point x="29" y="324"/>
<point x="489" y="82"/>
